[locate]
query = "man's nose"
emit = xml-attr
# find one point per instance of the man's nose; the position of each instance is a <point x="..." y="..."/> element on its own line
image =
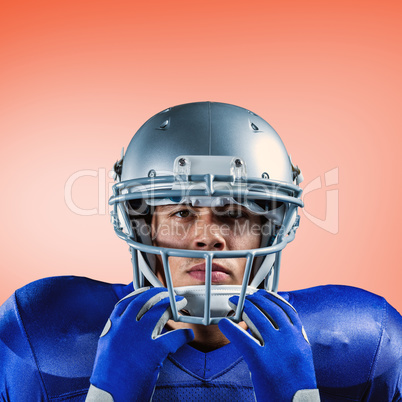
<point x="208" y="233"/>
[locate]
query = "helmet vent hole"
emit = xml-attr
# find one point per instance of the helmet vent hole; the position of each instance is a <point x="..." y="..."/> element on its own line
<point x="254" y="127"/>
<point x="164" y="125"/>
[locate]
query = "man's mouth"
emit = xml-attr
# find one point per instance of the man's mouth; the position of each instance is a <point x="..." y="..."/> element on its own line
<point x="219" y="273"/>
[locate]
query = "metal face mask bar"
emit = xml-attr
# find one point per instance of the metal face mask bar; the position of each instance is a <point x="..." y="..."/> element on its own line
<point x="182" y="185"/>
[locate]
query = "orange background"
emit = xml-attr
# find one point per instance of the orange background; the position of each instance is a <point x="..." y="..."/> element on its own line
<point x="78" y="78"/>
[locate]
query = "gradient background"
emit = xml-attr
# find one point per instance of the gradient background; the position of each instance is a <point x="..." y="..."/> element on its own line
<point x="78" y="78"/>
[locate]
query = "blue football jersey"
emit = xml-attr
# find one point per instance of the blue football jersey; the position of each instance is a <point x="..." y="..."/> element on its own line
<point x="49" y="331"/>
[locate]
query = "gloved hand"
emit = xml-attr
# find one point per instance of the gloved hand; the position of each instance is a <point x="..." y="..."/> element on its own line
<point x="131" y="348"/>
<point x="278" y="354"/>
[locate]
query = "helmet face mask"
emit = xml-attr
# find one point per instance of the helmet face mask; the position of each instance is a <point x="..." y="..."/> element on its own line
<point x="211" y="157"/>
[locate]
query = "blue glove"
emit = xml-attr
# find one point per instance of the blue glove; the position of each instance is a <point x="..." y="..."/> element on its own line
<point x="131" y="349"/>
<point x="278" y="354"/>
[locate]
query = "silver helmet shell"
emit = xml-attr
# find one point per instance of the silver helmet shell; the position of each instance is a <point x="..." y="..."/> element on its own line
<point x="205" y="151"/>
<point x="206" y="128"/>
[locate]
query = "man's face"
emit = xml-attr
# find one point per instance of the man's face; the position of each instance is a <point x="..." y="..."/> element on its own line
<point x="232" y="227"/>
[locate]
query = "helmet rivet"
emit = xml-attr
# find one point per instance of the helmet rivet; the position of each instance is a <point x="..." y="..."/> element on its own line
<point x="182" y="162"/>
<point x="151" y="173"/>
<point x="238" y="162"/>
<point x="265" y="175"/>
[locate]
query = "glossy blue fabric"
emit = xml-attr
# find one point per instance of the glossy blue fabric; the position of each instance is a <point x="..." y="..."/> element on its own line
<point x="49" y="331"/>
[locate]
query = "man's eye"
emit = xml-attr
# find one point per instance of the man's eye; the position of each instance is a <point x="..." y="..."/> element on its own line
<point x="234" y="214"/>
<point x="184" y="213"/>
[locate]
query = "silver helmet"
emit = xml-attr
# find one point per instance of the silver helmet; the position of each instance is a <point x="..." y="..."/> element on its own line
<point x="205" y="154"/>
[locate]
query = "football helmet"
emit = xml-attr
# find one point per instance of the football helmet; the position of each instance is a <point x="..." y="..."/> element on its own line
<point x="206" y="154"/>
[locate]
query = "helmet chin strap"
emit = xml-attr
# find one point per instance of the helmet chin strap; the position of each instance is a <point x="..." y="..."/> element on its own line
<point x="144" y="268"/>
<point x="265" y="269"/>
<point x="219" y="306"/>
